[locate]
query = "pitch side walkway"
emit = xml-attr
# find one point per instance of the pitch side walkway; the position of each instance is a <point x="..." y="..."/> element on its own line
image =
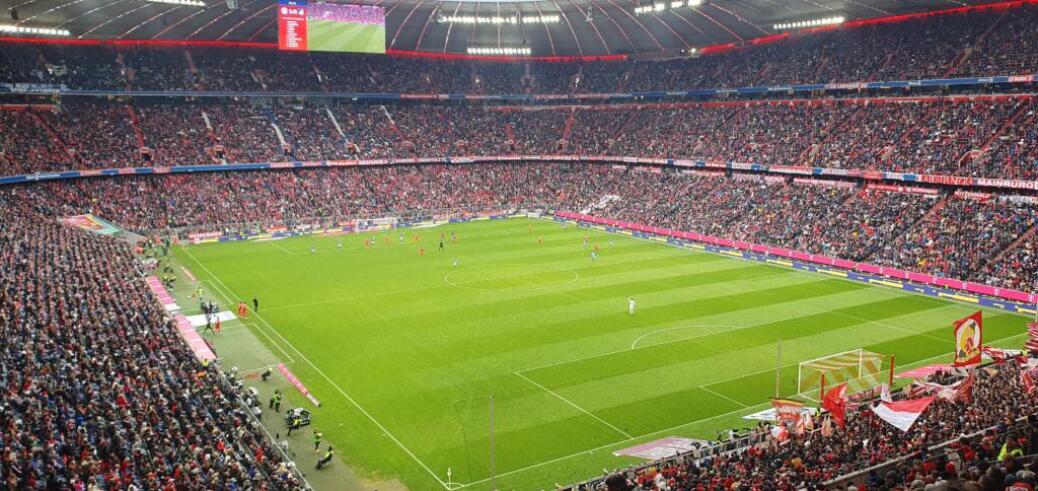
<point x="237" y="346"/>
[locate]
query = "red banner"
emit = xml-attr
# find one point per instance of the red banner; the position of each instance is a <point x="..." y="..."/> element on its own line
<point x="969" y="340"/>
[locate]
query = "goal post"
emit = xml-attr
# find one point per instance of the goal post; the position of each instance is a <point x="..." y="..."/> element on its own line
<point x="860" y="368"/>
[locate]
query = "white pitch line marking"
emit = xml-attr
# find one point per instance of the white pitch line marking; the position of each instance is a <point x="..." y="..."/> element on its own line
<point x="718" y="394"/>
<point x="672" y="428"/>
<point x="888" y="325"/>
<point x="290" y="253"/>
<point x="329" y="380"/>
<point x="574" y="405"/>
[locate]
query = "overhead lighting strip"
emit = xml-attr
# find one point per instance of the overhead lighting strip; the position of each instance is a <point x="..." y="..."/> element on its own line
<point x="33" y="31"/>
<point x="659" y="7"/>
<point x="828" y="21"/>
<point x="187" y="3"/>
<point x="513" y="20"/>
<point x="524" y="51"/>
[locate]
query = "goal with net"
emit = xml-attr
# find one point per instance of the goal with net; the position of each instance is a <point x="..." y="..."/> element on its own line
<point x="861" y="369"/>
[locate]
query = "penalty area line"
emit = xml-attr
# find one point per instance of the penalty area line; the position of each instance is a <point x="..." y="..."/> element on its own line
<point x="574" y="405"/>
<point x="328" y="379"/>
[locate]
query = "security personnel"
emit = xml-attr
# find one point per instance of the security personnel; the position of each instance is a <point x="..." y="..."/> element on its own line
<point x="297" y="422"/>
<point x="326" y="459"/>
<point x="317" y="440"/>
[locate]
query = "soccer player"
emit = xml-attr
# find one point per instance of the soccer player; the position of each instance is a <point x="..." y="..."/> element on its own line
<point x="421" y="251"/>
<point x="454" y="238"/>
<point x="401" y="237"/>
<point x="631" y="305"/>
<point x="217" y="326"/>
<point x="255" y="304"/>
<point x="455" y="262"/>
<point x="338" y="244"/>
<point x="313" y="249"/>
<point x="594" y="256"/>
<point x="208" y="323"/>
<point x="540" y="239"/>
<point x="441" y="245"/>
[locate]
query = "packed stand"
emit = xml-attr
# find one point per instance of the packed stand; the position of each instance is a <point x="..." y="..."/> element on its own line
<point x="985" y="137"/>
<point x="101" y="135"/>
<point x="998" y="41"/>
<point x="176" y="134"/>
<point x="983" y="440"/>
<point x="952" y="236"/>
<point x="26" y="147"/>
<point x="961" y="237"/>
<point x="99" y="391"/>
<point x="865" y="224"/>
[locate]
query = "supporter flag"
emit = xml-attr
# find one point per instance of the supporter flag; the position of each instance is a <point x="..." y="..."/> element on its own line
<point x="1000" y="355"/>
<point x="801" y="426"/>
<point x="965" y="392"/>
<point x="968" y="340"/>
<point x="827" y="427"/>
<point x="1032" y="337"/>
<point x="884" y="393"/>
<point x="1027" y="379"/>
<point x="780" y="433"/>
<point x="787" y="411"/>
<point x="902" y="414"/>
<point x="835" y="401"/>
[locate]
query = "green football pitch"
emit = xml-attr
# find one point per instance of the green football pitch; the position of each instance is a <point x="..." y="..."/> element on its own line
<point x="406" y="351"/>
<point x="326" y="35"/>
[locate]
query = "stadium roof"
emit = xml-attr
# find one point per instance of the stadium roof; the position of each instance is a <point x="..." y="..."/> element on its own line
<point x="584" y="27"/>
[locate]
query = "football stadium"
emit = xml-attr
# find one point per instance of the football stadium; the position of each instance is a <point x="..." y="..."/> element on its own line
<point x="481" y="245"/>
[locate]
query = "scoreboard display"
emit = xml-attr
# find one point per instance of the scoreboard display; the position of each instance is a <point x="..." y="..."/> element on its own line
<point x="315" y="26"/>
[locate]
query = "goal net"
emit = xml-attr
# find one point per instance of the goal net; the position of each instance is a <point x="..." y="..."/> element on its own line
<point x="861" y="369"/>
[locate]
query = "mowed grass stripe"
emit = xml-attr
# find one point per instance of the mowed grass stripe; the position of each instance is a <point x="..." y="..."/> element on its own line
<point x="908" y="350"/>
<point x="481" y="307"/>
<point x="626" y="362"/>
<point x="492" y="342"/>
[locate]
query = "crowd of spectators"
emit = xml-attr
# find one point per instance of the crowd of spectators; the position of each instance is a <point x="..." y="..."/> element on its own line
<point x="958" y="236"/>
<point x="26" y="147"/>
<point x="984" y="137"/>
<point x="997" y="41"/>
<point x="865" y="223"/>
<point x="99" y="392"/>
<point x="982" y="441"/>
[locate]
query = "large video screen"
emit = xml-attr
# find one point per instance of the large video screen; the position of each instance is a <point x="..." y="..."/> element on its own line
<point x="315" y="26"/>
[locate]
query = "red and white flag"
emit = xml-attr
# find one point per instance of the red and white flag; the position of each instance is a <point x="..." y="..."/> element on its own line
<point x="1032" y="341"/>
<point x="968" y="335"/>
<point x="884" y="393"/>
<point x="835" y="401"/>
<point x="827" y="427"/>
<point x="1027" y="379"/>
<point x="903" y="414"/>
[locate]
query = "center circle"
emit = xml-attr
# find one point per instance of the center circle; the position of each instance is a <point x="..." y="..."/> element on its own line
<point x="510" y="277"/>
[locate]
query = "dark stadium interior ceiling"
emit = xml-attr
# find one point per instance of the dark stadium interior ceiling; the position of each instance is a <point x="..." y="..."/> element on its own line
<point x="586" y="28"/>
